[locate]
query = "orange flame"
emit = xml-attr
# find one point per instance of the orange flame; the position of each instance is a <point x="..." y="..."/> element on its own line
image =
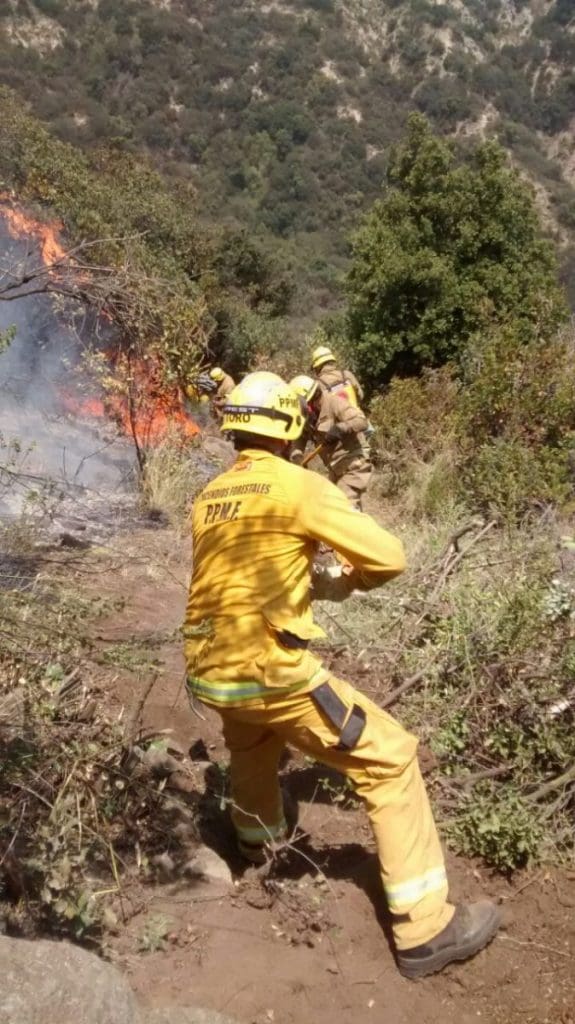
<point x="21" y="225"/>
<point x="148" y="426"/>
<point x="148" y="412"/>
<point x="150" y="409"/>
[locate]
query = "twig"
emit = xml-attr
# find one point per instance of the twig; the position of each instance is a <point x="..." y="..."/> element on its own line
<point x="553" y="784"/>
<point x="32" y="792"/>
<point x="406" y="685"/>
<point x="536" y="945"/>
<point x="453" y="562"/>
<point x="132" y="729"/>
<point x="455" y="537"/>
<point x="468" y="781"/>
<point x="336" y="622"/>
<point x="289" y="844"/>
<point x="15" y="833"/>
<point x="530" y="881"/>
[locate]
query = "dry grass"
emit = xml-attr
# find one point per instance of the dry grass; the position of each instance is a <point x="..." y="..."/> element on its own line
<point x="80" y="821"/>
<point x="478" y="640"/>
<point x="173" y="474"/>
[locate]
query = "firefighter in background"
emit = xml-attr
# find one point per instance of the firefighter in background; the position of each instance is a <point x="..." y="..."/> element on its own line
<point x="334" y="380"/>
<point x="249" y="622"/>
<point x="214" y="386"/>
<point x="198" y="390"/>
<point x="225" y="384"/>
<point x="338" y="428"/>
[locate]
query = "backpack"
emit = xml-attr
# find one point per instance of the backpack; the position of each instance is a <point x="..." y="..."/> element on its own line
<point x="344" y="389"/>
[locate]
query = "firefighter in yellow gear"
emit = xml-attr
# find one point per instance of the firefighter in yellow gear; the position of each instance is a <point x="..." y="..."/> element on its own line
<point x="194" y="393"/>
<point x="225" y="384"/>
<point x="249" y="623"/>
<point x="339" y="427"/>
<point x="332" y="379"/>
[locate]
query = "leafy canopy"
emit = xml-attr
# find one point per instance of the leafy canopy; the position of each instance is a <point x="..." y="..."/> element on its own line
<point x="179" y="284"/>
<point x="453" y="247"/>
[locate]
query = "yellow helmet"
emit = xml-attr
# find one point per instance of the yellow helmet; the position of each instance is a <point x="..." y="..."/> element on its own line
<point x="320" y="356"/>
<point x="263" y="404"/>
<point x="304" y="386"/>
<point x="217" y="374"/>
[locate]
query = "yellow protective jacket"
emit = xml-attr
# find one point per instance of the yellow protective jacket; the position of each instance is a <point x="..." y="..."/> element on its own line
<point x="337" y="381"/>
<point x="226" y="385"/>
<point x="249" y="616"/>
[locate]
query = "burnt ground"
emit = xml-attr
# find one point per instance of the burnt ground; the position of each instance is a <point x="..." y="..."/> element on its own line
<point x="307" y="941"/>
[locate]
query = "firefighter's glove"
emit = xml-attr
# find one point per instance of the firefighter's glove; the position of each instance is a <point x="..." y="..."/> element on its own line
<point x="333" y="435"/>
<point x="330" y="583"/>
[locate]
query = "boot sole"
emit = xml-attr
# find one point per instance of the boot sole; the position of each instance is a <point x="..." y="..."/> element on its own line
<point x="432" y="964"/>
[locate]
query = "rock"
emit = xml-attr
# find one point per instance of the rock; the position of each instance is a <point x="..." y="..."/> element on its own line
<point x="160" y="762"/>
<point x="185" y="832"/>
<point x="71" y="523"/>
<point x="185" y="1015"/>
<point x="178" y="809"/>
<point x="57" y="983"/>
<point x="181" y="782"/>
<point x="164" y="864"/>
<point x="173" y="746"/>
<point x="69" y="540"/>
<point x="207" y="864"/>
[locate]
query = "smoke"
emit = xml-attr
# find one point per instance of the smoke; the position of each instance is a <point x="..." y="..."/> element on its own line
<point x="37" y="371"/>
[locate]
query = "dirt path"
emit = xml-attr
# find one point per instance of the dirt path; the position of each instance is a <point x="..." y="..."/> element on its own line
<point x="306" y="944"/>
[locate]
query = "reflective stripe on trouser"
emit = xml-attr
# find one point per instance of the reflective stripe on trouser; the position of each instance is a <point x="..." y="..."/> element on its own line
<point x="384" y="770"/>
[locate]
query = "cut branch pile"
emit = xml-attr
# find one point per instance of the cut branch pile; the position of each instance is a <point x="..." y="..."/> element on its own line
<point x="475" y="651"/>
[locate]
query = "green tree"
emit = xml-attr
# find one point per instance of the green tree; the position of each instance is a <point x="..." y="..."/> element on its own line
<point x="453" y="248"/>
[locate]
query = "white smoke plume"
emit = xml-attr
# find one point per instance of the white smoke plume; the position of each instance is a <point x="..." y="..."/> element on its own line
<point x="37" y="370"/>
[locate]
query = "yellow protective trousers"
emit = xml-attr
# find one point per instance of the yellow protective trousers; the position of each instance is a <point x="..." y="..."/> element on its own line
<point x="378" y="756"/>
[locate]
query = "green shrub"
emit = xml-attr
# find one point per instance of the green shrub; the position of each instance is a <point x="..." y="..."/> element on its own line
<point x="244" y="336"/>
<point x="517" y="421"/>
<point x="450" y="248"/>
<point x="519" y="389"/>
<point x="508" y="478"/>
<point x="433" y="490"/>
<point x="499" y="826"/>
<point x="414" y="443"/>
<point x="416" y="415"/>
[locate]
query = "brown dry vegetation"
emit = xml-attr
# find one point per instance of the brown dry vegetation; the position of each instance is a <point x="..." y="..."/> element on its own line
<point x="95" y="842"/>
<point x="474" y="649"/>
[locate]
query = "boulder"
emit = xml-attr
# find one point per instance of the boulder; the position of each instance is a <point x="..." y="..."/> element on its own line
<point x="57" y="983"/>
<point x="206" y="864"/>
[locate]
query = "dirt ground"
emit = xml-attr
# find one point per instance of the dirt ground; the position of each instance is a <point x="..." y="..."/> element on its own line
<point x="308" y="942"/>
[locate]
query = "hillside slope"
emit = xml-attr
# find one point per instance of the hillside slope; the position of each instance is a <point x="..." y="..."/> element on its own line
<point x="283" y="112"/>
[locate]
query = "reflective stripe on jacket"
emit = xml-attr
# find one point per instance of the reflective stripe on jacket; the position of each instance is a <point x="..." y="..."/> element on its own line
<point x="255" y="530"/>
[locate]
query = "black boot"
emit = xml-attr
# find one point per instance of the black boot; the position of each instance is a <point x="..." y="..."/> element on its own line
<point x="472" y="926"/>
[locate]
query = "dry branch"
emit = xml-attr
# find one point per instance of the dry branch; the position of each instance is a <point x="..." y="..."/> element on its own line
<point x="553" y="785"/>
<point x="403" y="688"/>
